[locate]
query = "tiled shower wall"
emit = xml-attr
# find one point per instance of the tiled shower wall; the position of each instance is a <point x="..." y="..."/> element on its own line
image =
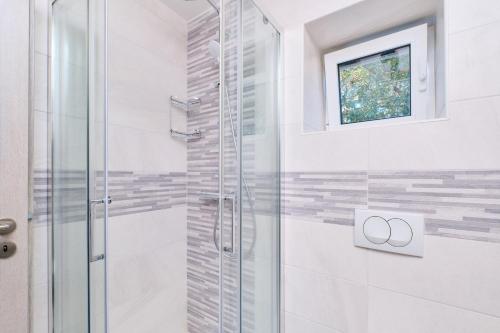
<point x="203" y="169"/>
<point x="203" y="159"/>
<point x="147" y="223"/>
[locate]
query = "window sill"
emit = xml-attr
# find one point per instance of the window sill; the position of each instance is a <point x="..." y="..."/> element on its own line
<point x="374" y="124"/>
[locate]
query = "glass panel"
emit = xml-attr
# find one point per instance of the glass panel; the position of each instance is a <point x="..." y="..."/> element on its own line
<point x="230" y="269"/>
<point x="70" y="183"/>
<point x="97" y="161"/>
<point x="79" y="128"/>
<point x="376" y="87"/>
<point x="259" y="173"/>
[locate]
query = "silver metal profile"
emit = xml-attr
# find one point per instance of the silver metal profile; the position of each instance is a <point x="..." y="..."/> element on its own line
<point x="107" y="197"/>
<point x="222" y="81"/>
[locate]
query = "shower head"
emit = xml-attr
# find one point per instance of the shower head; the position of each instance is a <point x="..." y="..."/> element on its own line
<point x="212" y="3"/>
<point x="214" y="50"/>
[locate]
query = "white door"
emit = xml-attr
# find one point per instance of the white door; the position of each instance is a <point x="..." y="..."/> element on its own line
<point x="14" y="69"/>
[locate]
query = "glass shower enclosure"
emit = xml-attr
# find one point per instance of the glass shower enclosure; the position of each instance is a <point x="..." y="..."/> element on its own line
<point x="247" y="239"/>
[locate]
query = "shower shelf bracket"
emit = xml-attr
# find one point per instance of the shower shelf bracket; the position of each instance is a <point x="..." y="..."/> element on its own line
<point x="186" y="106"/>
<point x="195" y="135"/>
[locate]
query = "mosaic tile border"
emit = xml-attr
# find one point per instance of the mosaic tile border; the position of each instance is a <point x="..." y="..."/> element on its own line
<point x="132" y="192"/>
<point x="455" y="203"/>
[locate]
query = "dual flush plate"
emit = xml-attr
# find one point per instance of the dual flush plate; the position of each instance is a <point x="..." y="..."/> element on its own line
<point x="389" y="231"/>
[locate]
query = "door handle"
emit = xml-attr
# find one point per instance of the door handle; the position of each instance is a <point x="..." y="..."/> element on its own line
<point x="7" y="226"/>
<point x="230" y="249"/>
<point x="214" y="196"/>
<point x="93" y="257"/>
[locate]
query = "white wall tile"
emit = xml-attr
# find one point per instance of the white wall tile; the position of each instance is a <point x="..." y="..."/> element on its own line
<point x="141" y="119"/>
<point x="473" y="63"/>
<point x="293" y="42"/>
<point x="448" y="144"/>
<point x="40" y="92"/>
<point x="41" y="8"/>
<point x="147" y="251"/>
<point x="324" y="248"/>
<point x="40" y="140"/>
<point x="123" y="143"/>
<point x="395" y="313"/>
<point x="39" y="318"/>
<point x="295" y="324"/>
<point x="335" y="303"/>
<point x="140" y="79"/>
<point x="466" y="14"/>
<point x="292" y="101"/>
<point x="146" y="28"/>
<point x="403" y="146"/>
<point x="148" y="52"/>
<point x="39" y="278"/>
<point x="457" y="272"/>
<point x="326" y="151"/>
<point x="147" y="271"/>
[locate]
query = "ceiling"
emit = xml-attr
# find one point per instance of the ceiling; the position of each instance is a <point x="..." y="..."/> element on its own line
<point x="187" y="9"/>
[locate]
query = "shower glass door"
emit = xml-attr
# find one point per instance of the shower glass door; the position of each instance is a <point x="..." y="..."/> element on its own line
<point x="79" y="169"/>
<point x="260" y="173"/>
<point x="250" y="260"/>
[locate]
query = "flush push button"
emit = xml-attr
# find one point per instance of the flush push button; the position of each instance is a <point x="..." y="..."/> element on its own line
<point x="389" y="231"/>
<point x="401" y="233"/>
<point x="377" y="230"/>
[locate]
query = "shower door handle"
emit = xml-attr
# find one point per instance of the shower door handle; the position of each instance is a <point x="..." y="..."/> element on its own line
<point x="214" y="196"/>
<point x="230" y="250"/>
<point x="93" y="257"/>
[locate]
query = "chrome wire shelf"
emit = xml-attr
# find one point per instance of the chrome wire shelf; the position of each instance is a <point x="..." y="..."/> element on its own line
<point x="187" y="136"/>
<point x="186" y="106"/>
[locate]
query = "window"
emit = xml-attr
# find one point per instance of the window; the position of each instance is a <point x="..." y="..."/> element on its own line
<point x="383" y="80"/>
<point x="375" y="87"/>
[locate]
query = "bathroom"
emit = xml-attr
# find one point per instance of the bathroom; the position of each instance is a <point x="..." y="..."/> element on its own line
<point x="266" y="166"/>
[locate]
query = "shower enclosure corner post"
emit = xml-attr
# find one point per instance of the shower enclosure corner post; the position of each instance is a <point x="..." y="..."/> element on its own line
<point x="280" y="109"/>
<point x="106" y="164"/>
<point x="221" y="162"/>
<point x="239" y="147"/>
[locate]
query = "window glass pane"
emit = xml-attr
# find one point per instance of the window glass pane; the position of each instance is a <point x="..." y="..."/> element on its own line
<point x="376" y="87"/>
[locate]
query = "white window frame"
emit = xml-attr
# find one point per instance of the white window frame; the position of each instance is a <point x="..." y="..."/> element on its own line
<point x="416" y="37"/>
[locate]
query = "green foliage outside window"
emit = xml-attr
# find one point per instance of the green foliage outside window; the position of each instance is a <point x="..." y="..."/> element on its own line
<point x="376" y="87"/>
